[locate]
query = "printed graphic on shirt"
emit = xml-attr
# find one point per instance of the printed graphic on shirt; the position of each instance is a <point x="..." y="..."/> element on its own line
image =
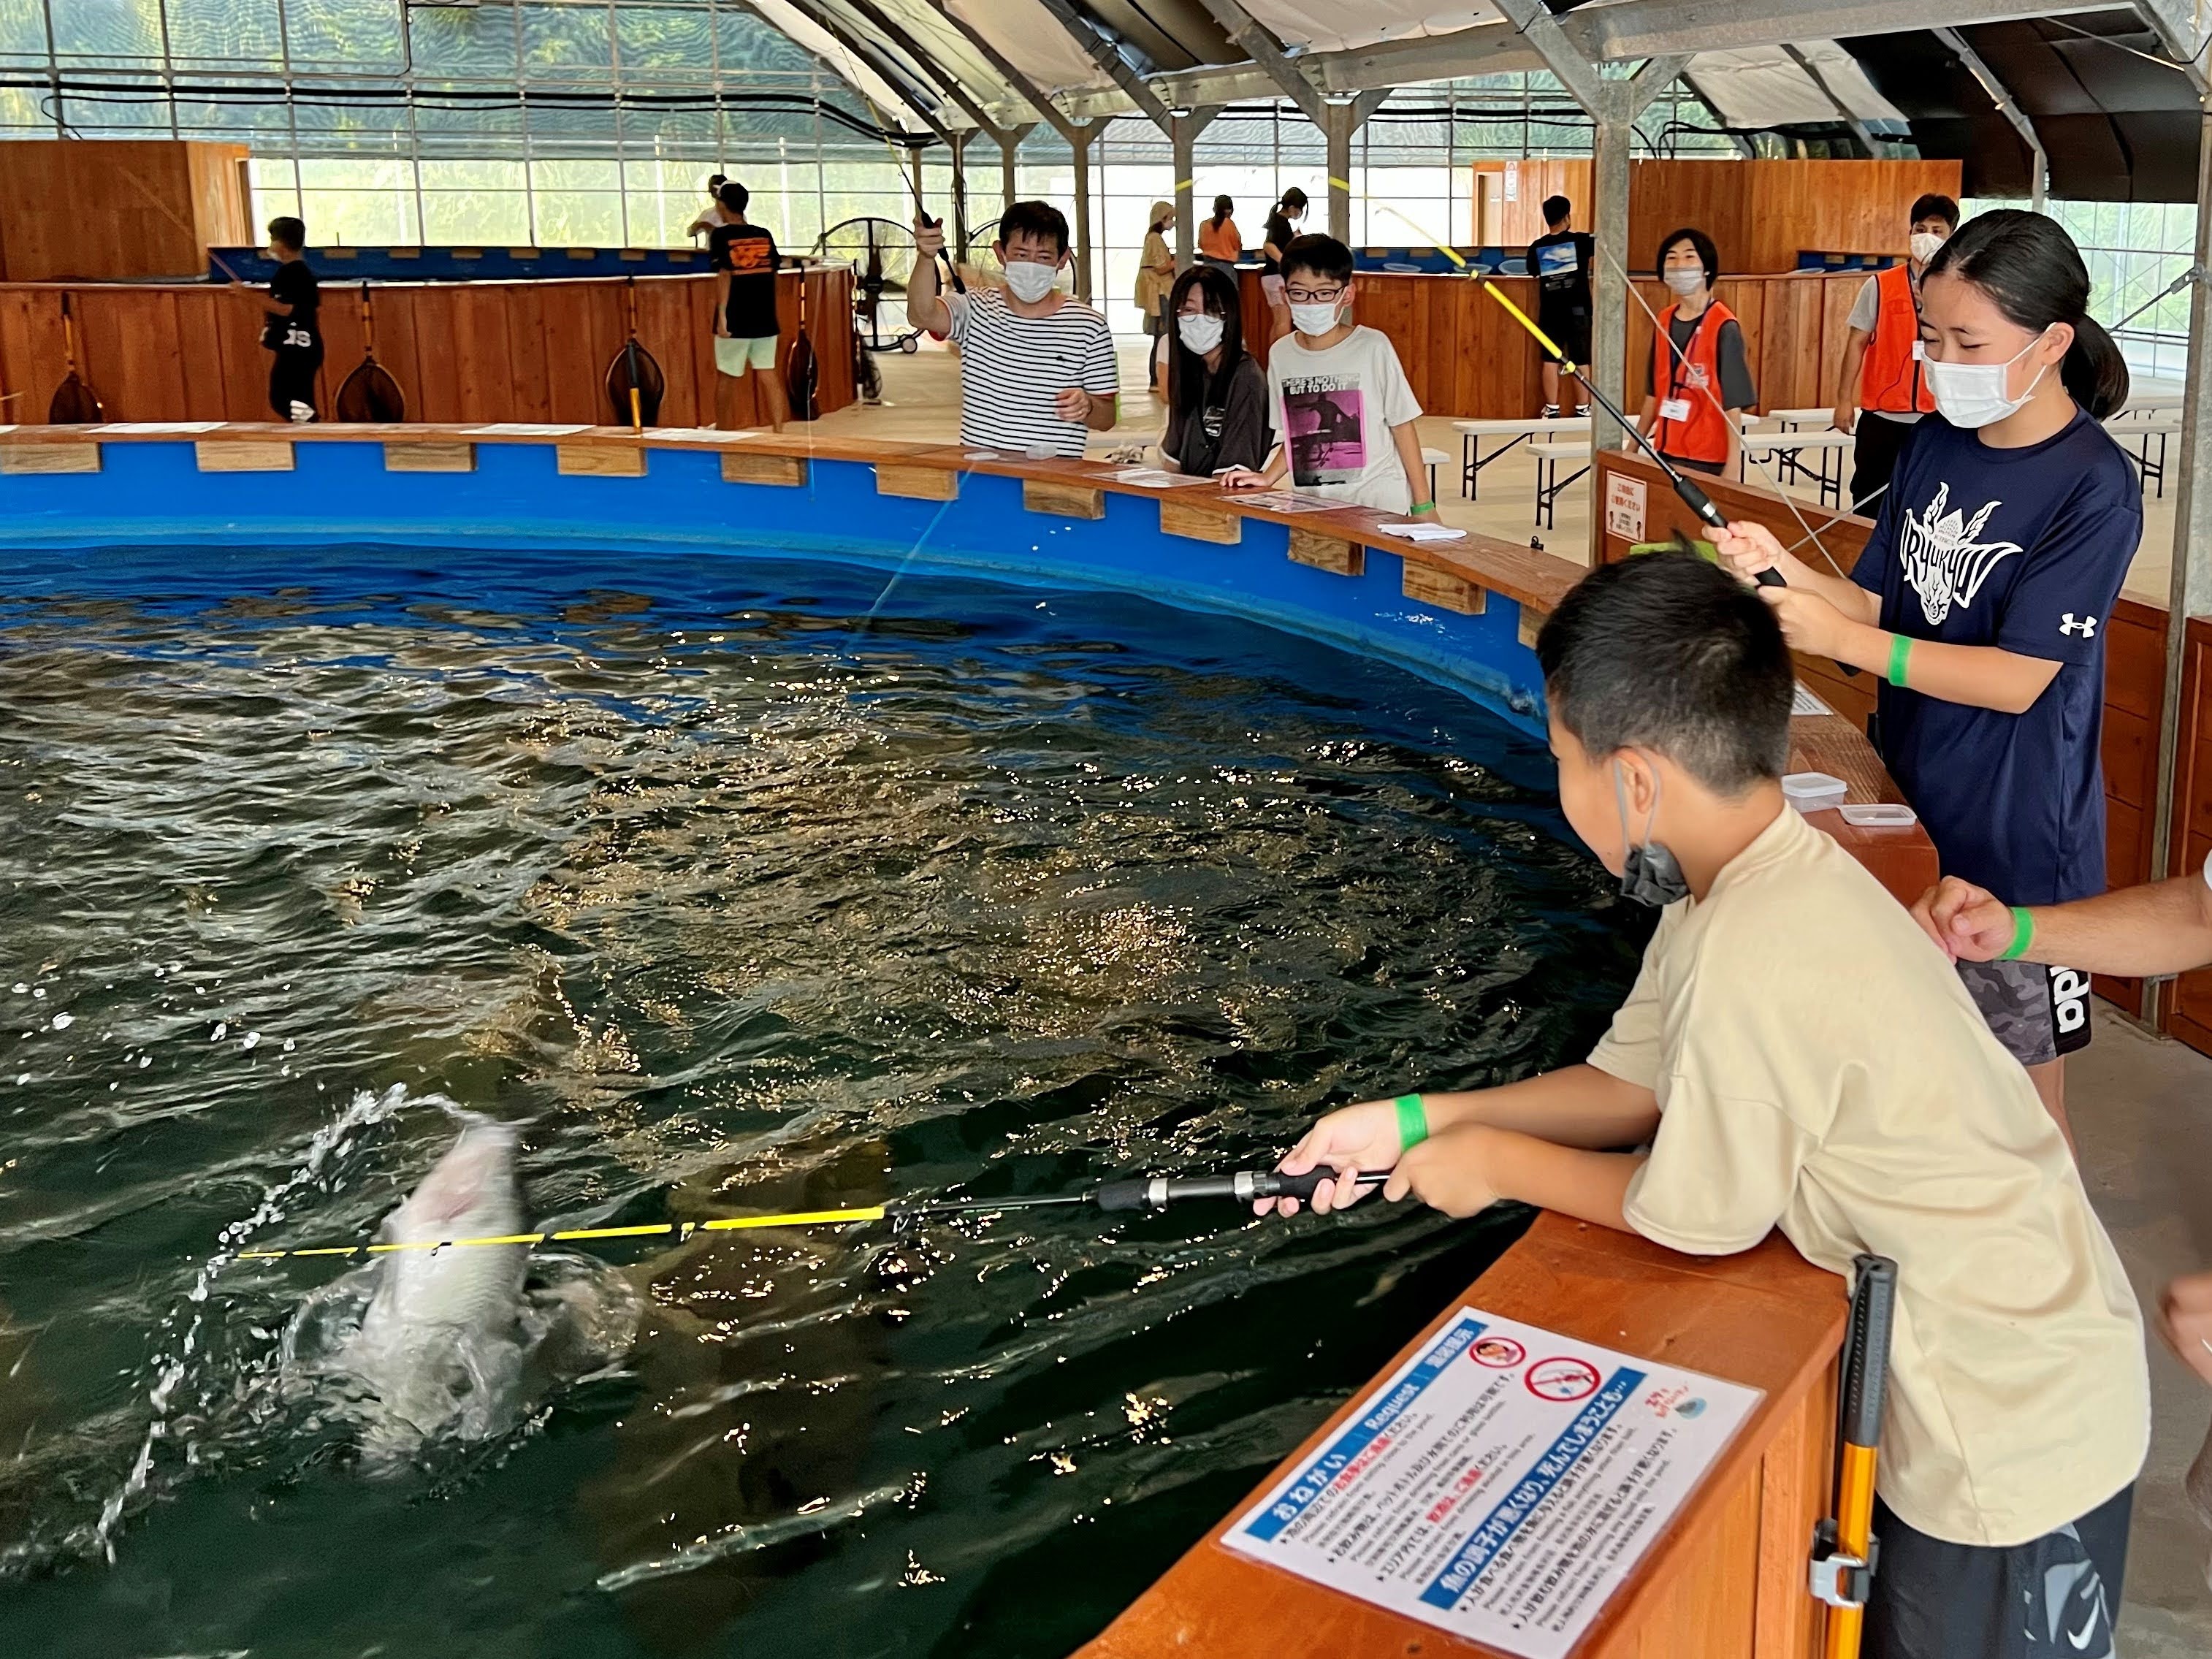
<point x="1322" y="415"/>
<point x="297" y="337"/>
<point x="2086" y="627"/>
<point x="750" y="256"/>
<point x="1559" y="259"/>
<point x="1942" y="561"/>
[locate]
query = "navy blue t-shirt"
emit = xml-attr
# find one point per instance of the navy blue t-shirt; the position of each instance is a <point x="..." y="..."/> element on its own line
<point x="2024" y="549"/>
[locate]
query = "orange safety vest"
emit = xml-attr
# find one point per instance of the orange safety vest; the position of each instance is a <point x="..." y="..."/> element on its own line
<point x="1695" y="378"/>
<point x="1893" y="380"/>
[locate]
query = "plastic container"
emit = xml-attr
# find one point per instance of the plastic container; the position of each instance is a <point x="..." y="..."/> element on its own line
<point x="1880" y="815"/>
<point x="1814" y="792"/>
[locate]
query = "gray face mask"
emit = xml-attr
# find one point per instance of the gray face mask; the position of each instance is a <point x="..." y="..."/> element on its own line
<point x="1648" y="873"/>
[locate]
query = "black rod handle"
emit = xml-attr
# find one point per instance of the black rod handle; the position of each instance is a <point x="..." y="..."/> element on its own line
<point x="1866" y="1377"/>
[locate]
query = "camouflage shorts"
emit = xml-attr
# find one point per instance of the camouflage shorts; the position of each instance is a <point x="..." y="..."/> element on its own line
<point x="2038" y="1012"/>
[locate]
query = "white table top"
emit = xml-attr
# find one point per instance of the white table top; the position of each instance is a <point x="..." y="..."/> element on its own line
<point x="1768" y="442"/>
<point x="1561" y="449"/>
<point x="1499" y="428"/>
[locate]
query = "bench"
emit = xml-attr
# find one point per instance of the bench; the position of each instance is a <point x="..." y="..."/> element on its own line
<point x="1551" y="456"/>
<point x="1471" y="433"/>
<point x="1789" y="450"/>
<point x="1432" y="459"/>
<point x="2139" y="431"/>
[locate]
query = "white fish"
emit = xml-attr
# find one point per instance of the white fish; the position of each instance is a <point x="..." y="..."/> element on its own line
<point x="441" y="1345"/>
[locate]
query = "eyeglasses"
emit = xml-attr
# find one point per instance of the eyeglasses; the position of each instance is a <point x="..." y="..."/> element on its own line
<point x="1315" y="296"/>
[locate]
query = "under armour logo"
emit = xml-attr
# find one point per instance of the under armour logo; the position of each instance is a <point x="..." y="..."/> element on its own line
<point x="2086" y="627"/>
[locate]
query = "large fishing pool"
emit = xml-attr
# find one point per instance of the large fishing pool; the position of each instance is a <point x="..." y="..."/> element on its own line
<point x="743" y="885"/>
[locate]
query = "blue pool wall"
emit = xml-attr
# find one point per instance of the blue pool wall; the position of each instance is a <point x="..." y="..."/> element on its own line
<point x="153" y="493"/>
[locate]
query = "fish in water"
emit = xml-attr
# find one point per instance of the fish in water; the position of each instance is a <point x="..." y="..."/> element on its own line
<point x="441" y="1345"/>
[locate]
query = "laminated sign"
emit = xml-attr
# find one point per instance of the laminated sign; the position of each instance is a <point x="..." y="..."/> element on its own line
<point x="1626" y="499"/>
<point x="1501" y="1485"/>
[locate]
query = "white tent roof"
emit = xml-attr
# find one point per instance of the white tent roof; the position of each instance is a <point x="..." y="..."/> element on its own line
<point x="1339" y="25"/>
<point x="1764" y="86"/>
<point x="1032" y="40"/>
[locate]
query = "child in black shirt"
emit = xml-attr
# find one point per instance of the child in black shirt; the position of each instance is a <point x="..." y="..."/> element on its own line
<point x="747" y="334"/>
<point x="291" y="330"/>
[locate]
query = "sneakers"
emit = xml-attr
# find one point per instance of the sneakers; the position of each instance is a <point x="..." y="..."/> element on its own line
<point x="1551" y="412"/>
<point x="1582" y="411"/>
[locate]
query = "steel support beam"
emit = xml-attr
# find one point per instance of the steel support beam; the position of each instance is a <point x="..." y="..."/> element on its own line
<point x="896" y="76"/>
<point x="1624" y="31"/>
<point x="2189" y="590"/>
<point x="1086" y="277"/>
<point x="1850" y="117"/>
<point x="2183" y="29"/>
<point x="930" y="65"/>
<point x="1342" y="118"/>
<point x="2039" y="163"/>
<point x="1183" y="128"/>
<point x="1104" y="54"/>
<point x="1267" y="52"/>
<point x="1049" y="113"/>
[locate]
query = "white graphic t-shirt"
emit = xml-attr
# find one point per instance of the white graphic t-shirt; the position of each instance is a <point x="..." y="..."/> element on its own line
<point x="1334" y="409"/>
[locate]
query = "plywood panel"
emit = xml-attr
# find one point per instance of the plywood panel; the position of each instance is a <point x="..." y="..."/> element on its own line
<point x="482" y="357"/>
<point x="111" y="209"/>
<point x="442" y="400"/>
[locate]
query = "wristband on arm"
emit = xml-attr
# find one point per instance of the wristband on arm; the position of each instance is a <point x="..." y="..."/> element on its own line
<point x="1421" y="506"/>
<point x="1413" y="1122"/>
<point x="1900" y="659"/>
<point x="2023" y="934"/>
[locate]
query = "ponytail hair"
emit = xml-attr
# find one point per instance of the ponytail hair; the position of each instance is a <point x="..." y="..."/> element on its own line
<point x="1223" y="207"/>
<point x="2033" y="273"/>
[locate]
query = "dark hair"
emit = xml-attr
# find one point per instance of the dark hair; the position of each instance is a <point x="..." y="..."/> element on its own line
<point x="1708" y="255"/>
<point x="733" y="196"/>
<point x="1035" y="219"/>
<point x="2032" y="271"/>
<point x="287" y="232"/>
<point x="1935" y="205"/>
<point x="1294" y="197"/>
<point x="715" y="181"/>
<point x="1668" y="653"/>
<point x="1323" y="256"/>
<point x="1556" y="209"/>
<point x="1187" y="377"/>
<point x="1223" y="207"/>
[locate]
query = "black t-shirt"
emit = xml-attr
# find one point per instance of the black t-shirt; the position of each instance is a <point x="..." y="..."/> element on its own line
<point x="1279" y="231"/>
<point x="747" y="252"/>
<point x="294" y="285"/>
<point x="1560" y="262"/>
<point x="2023" y="550"/>
<point x="1231" y="427"/>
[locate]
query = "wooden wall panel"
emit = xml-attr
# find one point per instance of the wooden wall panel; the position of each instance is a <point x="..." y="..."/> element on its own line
<point x="94" y="210"/>
<point x="483" y="357"/>
<point x="1761" y="214"/>
<point x="530" y="387"/>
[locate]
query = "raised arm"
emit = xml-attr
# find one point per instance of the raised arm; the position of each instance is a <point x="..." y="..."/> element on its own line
<point x="925" y="305"/>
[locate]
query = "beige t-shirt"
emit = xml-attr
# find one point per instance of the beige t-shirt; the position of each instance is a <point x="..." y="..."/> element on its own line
<point x="1820" y="1067"/>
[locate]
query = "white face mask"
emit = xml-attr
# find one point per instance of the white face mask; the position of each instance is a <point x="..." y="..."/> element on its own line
<point x="1685" y="280"/>
<point x="1029" y="281"/>
<point x="1971" y="395"/>
<point x="1200" y="330"/>
<point x="1925" y="244"/>
<point x="1314" y="317"/>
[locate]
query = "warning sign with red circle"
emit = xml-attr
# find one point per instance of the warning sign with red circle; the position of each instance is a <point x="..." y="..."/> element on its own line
<point x="1498" y="1352"/>
<point x="1563" y="1381"/>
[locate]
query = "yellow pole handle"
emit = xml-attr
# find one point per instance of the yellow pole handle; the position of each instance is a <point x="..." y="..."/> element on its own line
<point x="1522" y="318"/>
<point x="1854" y="1536"/>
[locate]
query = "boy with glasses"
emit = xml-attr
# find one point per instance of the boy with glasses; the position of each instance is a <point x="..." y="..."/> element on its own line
<point x="1339" y="396"/>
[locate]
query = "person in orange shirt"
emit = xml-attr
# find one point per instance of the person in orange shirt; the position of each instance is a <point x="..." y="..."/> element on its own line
<point x="1220" y="244"/>
<point x="1882" y="390"/>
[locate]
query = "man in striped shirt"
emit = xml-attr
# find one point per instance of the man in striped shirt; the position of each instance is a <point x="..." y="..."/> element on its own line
<point x="1037" y="366"/>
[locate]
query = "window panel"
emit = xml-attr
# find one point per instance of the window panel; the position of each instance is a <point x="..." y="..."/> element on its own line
<point x="672" y="44"/>
<point x="108" y="28"/>
<point x="225" y="31"/>
<point x="454" y="41"/>
<point x="23" y="29"/>
<point x="364" y="32"/>
<point x="566" y="42"/>
<point x="475" y="218"/>
<point x="577" y="218"/>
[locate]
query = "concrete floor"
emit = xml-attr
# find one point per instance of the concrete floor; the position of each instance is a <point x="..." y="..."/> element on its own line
<point x="2141" y="1106"/>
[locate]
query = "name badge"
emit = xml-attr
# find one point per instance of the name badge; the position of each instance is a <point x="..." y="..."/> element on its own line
<point x="1673" y="408"/>
<point x="1919" y="351"/>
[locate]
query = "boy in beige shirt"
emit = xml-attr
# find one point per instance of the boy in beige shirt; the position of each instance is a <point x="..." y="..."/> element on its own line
<point x="1795" y="1056"/>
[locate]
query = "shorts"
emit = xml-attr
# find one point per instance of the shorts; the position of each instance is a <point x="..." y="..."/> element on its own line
<point x="1571" y="333"/>
<point x="2058" y="1595"/>
<point x="1152" y="322"/>
<point x="292" y="375"/>
<point x="731" y="356"/>
<point x="2038" y="1013"/>
<point x="1271" y="285"/>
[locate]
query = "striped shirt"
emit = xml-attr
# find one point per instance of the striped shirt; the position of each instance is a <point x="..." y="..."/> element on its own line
<point x="1013" y="368"/>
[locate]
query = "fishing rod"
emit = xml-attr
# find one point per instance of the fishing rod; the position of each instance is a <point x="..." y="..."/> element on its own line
<point x="1142" y="1193"/>
<point x="1692" y="497"/>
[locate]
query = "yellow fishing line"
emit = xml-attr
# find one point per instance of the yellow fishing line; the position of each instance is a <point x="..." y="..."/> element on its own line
<point x="728" y="1223"/>
<point x="1521" y="317"/>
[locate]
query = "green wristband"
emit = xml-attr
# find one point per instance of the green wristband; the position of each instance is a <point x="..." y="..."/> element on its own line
<point x="1900" y="656"/>
<point x="2023" y="934"/>
<point x="1413" y="1122"/>
<point x="1421" y="506"/>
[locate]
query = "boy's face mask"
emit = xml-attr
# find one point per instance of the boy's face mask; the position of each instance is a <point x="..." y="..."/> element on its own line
<point x="1649" y="873"/>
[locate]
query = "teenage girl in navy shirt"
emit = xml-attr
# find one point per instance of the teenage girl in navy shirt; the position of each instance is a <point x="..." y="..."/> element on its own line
<point x="1984" y="595"/>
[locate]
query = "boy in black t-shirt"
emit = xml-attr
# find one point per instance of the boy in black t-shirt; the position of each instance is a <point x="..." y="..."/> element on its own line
<point x="290" y="329"/>
<point x="747" y="334"/>
<point x="1561" y="261"/>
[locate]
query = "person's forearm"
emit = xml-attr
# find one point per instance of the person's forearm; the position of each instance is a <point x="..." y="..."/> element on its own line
<point x="2159" y="927"/>
<point x="1575" y="1106"/>
<point x="1590" y="1187"/>
<point x="1978" y="676"/>
<point x="1408" y="441"/>
<point x="1104" y="412"/>
<point x="925" y="307"/>
<point x="1847" y="595"/>
<point x="1854" y="364"/>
